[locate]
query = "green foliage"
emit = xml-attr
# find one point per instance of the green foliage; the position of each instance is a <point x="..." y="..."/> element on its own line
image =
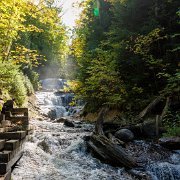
<point x="18" y="89"/>
<point x="172" y="87"/>
<point x="103" y="85"/>
<point x="175" y="131"/>
<point x="172" y="119"/>
<point x="32" y="76"/>
<point x="31" y="36"/>
<point x="129" y="53"/>
<point x="13" y="13"/>
<point x="49" y="44"/>
<point x="12" y="80"/>
<point x="172" y="123"/>
<point x="28" y="85"/>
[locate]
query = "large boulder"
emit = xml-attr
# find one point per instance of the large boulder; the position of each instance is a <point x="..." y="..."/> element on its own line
<point x="172" y="143"/>
<point x="69" y="123"/>
<point x="52" y="114"/>
<point x="125" y="135"/>
<point x="44" y="146"/>
<point x="60" y="120"/>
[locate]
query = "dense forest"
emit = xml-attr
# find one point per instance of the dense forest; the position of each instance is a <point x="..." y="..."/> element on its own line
<point x="90" y="89"/>
<point x="127" y="54"/>
<point x="32" y="38"/>
<point x="123" y="53"/>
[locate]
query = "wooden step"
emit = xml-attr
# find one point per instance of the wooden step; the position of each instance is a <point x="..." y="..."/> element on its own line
<point x="11" y="145"/>
<point x="2" y="142"/>
<point x="6" y="176"/>
<point x="11" y="149"/>
<point x="14" y="157"/>
<point x="5" y="156"/>
<point x="13" y="135"/>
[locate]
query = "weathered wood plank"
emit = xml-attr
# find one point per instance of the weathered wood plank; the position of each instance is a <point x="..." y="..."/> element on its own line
<point x="5" y="156"/>
<point x="11" y="145"/>
<point x="149" y="107"/>
<point x="17" y="111"/>
<point x="110" y="152"/>
<point x="2" y="142"/>
<point x="13" y="135"/>
<point x="5" y="167"/>
<point x="6" y="176"/>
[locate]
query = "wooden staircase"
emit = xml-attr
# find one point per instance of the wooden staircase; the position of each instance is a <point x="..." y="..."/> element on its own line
<point x="12" y="141"/>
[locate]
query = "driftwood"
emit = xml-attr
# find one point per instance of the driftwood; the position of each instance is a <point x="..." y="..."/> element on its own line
<point x="99" y="121"/>
<point x="149" y="107"/>
<point x="110" y="152"/>
<point x="168" y="102"/>
<point x="114" y="140"/>
<point x="106" y="149"/>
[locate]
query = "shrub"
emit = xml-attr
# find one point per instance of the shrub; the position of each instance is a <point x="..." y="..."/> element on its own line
<point x="18" y="89"/>
<point x="28" y="85"/>
<point x="12" y="81"/>
<point x="175" y="131"/>
<point x="172" y="123"/>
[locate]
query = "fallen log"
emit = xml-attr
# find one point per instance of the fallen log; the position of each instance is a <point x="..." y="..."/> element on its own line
<point x="115" y="140"/>
<point x="166" y="107"/>
<point x="107" y="150"/>
<point x="149" y="107"/>
<point x="110" y="152"/>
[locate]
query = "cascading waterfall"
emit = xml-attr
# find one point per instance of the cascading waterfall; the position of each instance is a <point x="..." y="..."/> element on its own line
<point x="56" y="152"/>
<point x="52" y="103"/>
<point x="53" y="83"/>
<point x="49" y="102"/>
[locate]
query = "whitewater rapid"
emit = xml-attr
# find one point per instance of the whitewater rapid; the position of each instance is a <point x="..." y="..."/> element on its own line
<point x="62" y="155"/>
<point x="57" y="152"/>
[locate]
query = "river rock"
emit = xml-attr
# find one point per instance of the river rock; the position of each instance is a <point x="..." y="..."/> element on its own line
<point x="172" y="143"/>
<point x="44" y="146"/>
<point x="52" y="114"/>
<point x="69" y="123"/>
<point x="125" y="135"/>
<point x="60" y="120"/>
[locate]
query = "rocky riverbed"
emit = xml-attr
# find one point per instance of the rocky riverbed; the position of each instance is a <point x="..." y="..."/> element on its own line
<point x="57" y="152"/>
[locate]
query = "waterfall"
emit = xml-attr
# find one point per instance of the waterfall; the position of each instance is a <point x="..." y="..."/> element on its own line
<point x="53" y="83"/>
<point x="53" y="102"/>
<point x="49" y="103"/>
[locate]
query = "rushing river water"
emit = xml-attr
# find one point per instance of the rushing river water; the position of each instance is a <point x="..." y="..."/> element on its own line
<point x="56" y="152"/>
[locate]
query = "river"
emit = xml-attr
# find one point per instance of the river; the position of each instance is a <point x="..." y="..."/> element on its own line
<point x="57" y="152"/>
